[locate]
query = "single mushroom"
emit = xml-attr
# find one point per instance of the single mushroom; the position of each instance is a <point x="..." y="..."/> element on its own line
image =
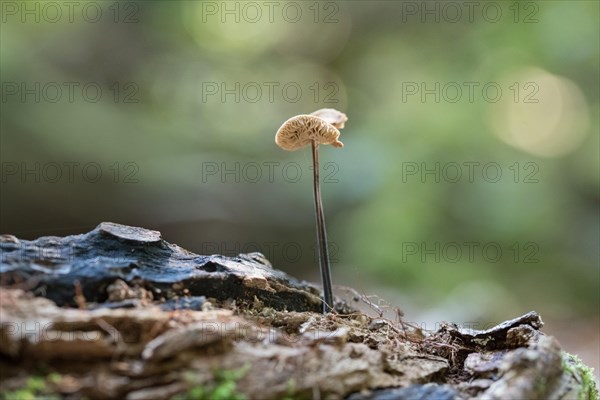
<point x="302" y="130"/>
<point x="331" y="115"/>
<point x="321" y="127"/>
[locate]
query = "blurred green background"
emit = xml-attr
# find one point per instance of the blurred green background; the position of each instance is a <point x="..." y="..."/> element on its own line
<point x="467" y="189"/>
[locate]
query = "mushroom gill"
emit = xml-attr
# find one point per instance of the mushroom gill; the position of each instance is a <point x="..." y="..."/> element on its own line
<point x="302" y="130"/>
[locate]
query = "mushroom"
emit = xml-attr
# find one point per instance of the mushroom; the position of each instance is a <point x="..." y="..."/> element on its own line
<point x="331" y="115"/>
<point x="321" y="127"/>
<point x="302" y="130"/>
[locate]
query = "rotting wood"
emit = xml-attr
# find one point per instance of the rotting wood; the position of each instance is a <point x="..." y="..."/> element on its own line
<point x="157" y="320"/>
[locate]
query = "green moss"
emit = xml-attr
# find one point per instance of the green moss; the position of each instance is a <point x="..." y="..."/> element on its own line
<point x="36" y="388"/>
<point x="222" y="388"/>
<point x="584" y="374"/>
<point x="292" y="393"/>
<point x="541" y="385"/>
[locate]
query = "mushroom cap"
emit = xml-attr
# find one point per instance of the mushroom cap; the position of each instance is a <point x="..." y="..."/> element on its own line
<point x="301" y="130"/>
<point x="332" y="116"/>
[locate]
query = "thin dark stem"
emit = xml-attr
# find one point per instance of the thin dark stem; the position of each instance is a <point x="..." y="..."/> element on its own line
<point x="322" y="236"/>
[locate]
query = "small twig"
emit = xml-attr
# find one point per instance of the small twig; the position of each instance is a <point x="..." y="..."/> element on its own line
<point x="79" y="297"/>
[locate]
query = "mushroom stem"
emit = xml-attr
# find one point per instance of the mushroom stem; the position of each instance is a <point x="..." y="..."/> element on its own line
<point x="322" y="235"/>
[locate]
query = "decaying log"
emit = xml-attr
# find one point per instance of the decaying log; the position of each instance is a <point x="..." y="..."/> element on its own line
<point x="50" y="266"/>
<point x="120" y="313"/>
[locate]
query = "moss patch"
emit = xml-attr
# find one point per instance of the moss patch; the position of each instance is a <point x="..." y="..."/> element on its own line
<point x="583" y="374"/>
<point x="222" y="388"/>
<point x="35" y="387"/>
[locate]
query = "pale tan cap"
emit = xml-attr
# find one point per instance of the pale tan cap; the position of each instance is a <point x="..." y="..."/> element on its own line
<point x="332" y="116"/>
<point x="301" y="130"/>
